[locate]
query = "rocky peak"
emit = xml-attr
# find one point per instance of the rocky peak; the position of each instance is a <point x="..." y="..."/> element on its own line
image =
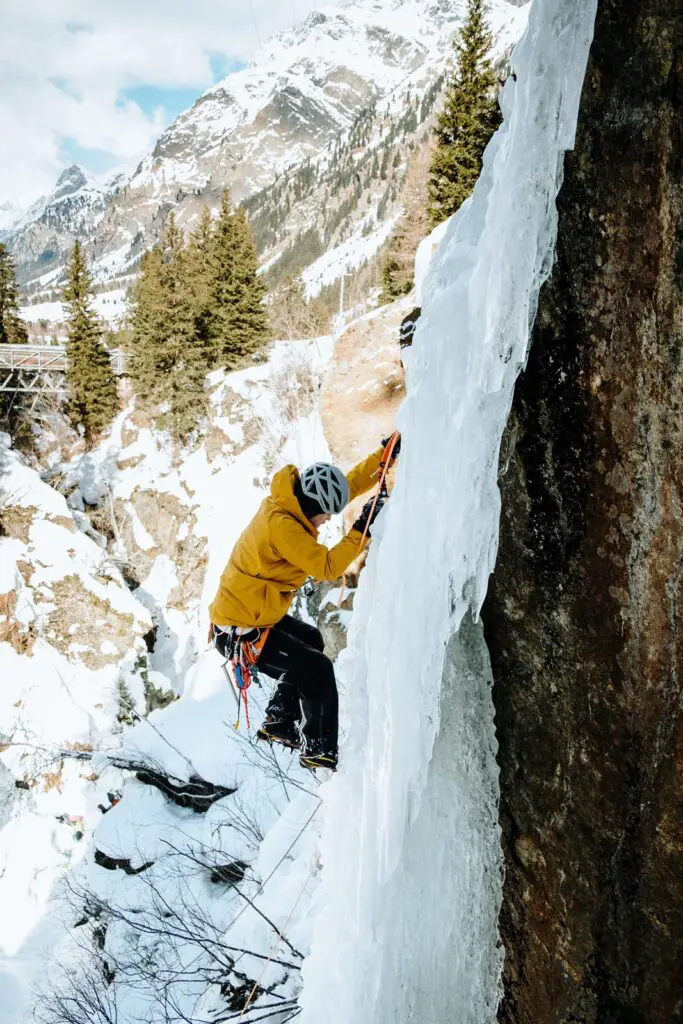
<point x="71" y="180"/>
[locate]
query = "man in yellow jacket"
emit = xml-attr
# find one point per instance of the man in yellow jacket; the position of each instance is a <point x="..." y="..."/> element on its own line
<point x="274" y="556"/>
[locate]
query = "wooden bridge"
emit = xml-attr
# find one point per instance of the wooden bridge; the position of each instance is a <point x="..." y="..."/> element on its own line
<point x="40" y="369"/>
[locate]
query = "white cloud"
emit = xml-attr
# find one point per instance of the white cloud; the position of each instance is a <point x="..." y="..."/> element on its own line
<point x="65" y="65"/>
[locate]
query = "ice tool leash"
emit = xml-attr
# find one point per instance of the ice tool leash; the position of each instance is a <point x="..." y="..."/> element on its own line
<point x="384" y="466"/>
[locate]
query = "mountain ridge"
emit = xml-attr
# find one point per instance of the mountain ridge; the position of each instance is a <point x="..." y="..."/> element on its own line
<point x="303" y="90"/>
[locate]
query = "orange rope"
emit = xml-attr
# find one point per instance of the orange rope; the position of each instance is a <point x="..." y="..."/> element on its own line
<point x="247" y="656"/>
<point x="384" y="467"/>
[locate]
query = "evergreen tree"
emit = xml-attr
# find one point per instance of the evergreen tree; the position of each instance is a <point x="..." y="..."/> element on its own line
<point x="148" y="322"/>
<point x="223" y="287"/>
<point x="93" y="393"/>
<point x="253" y="317"/>
<point x="469" y="118"/>
<point x="12" y="328"/>
<point x="166" y="365"/>
<point x="200" y="276"/>
<point x="395" y="280"/>
<point x="238" y="318"/>
<point x="183" y="362"/>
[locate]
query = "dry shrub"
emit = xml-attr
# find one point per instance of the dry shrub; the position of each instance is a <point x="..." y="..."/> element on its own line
<point x="22" y="638"/>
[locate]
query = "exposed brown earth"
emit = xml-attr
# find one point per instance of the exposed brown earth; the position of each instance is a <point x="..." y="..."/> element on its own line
<point x="364" y="388"/>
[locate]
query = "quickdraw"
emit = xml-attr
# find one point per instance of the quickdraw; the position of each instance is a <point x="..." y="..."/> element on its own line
<point x="243" y="652"/>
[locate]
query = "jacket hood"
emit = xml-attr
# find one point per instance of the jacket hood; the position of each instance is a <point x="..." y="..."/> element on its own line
<point x="282" y="493"/>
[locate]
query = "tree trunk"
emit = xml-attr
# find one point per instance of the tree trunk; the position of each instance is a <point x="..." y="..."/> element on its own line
<point x="584" y="616"/>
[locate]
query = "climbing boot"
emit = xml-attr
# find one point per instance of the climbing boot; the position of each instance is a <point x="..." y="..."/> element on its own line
<point x="313" y="761"/>
<point x="285" y="733"/>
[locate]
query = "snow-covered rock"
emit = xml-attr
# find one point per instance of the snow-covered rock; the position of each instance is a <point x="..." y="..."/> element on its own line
<point x="170" y="522"/>
<point x="71" y="642"/>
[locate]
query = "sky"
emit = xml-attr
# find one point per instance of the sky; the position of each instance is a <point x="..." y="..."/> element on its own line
<point x="95" y="81"/>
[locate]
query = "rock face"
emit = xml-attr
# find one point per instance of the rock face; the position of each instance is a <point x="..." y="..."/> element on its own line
<point x="584" y="617"/>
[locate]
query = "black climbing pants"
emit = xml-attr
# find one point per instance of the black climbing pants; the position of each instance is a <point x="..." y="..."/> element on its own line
<point x="293" y="654"/>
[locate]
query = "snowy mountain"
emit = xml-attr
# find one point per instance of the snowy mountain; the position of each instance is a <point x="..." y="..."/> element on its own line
<point x="42" y="236"/>
<point x="302" y="93"/>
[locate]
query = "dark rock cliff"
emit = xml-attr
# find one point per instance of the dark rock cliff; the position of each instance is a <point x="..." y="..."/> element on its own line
<point x="584" y="617"/>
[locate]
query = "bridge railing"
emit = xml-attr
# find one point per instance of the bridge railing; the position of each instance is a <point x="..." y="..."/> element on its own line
<point x="47" y="358"/>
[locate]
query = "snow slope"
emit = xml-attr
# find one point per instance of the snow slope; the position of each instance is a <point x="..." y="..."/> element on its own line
<point x="407" y="909"/>
<point x="70" y="633"/>
<point x="268" y="824"/>
<point x="110" y="306"/>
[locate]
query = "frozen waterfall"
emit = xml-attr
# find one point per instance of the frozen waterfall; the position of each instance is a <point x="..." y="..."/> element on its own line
<point x="406" y="925"/>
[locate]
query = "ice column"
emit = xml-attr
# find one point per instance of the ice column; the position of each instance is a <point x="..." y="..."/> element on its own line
<point x="406" y="926"/>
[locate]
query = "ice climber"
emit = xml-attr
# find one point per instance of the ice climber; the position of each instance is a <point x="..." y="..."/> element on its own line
<point x="275" y="555"/>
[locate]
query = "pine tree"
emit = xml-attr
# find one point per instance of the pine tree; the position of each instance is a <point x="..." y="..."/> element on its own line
<point x="253" y="326"/>
<point x="200" y="276"/>
<point x="223" y="290"/>
<point x="12" y="328"/>
<point x="148" y="323"/>
<point x="183" y="362"/>
<point x="91" y="384"/>
<point x="469" y="118"/>
<point x="395" y="280"/>
<point x="167" y="366"/>
<point x="238" y="319"/>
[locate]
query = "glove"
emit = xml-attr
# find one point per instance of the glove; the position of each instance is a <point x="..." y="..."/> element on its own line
<point x="397" y="447"/>
<point x="369" y="514"/>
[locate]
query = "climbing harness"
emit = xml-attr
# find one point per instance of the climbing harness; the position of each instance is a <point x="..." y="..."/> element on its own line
<point x="384" y="465"/>
<point x="241" y="649"/>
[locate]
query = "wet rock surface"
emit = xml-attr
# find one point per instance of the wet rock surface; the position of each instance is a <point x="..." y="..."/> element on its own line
<point x="583" y="620"/>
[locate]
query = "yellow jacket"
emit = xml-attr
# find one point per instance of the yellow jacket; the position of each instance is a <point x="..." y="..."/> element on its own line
<point x="279" y="550"/>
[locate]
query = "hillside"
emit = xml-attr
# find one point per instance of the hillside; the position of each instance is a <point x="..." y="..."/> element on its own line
<point x="301" y="135"/>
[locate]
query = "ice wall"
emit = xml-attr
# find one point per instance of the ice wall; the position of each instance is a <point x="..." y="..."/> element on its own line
<point x="406" y="914"/>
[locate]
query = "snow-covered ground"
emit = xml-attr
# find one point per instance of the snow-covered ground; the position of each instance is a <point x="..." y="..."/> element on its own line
<point x="70" y="633"/>
<point x="111" y="306"/>
<point x="56" y="701"/>
<point x="345" y="257"/>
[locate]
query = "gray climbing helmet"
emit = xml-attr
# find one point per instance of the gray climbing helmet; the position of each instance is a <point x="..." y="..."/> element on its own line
<point x="326" y="485"/>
